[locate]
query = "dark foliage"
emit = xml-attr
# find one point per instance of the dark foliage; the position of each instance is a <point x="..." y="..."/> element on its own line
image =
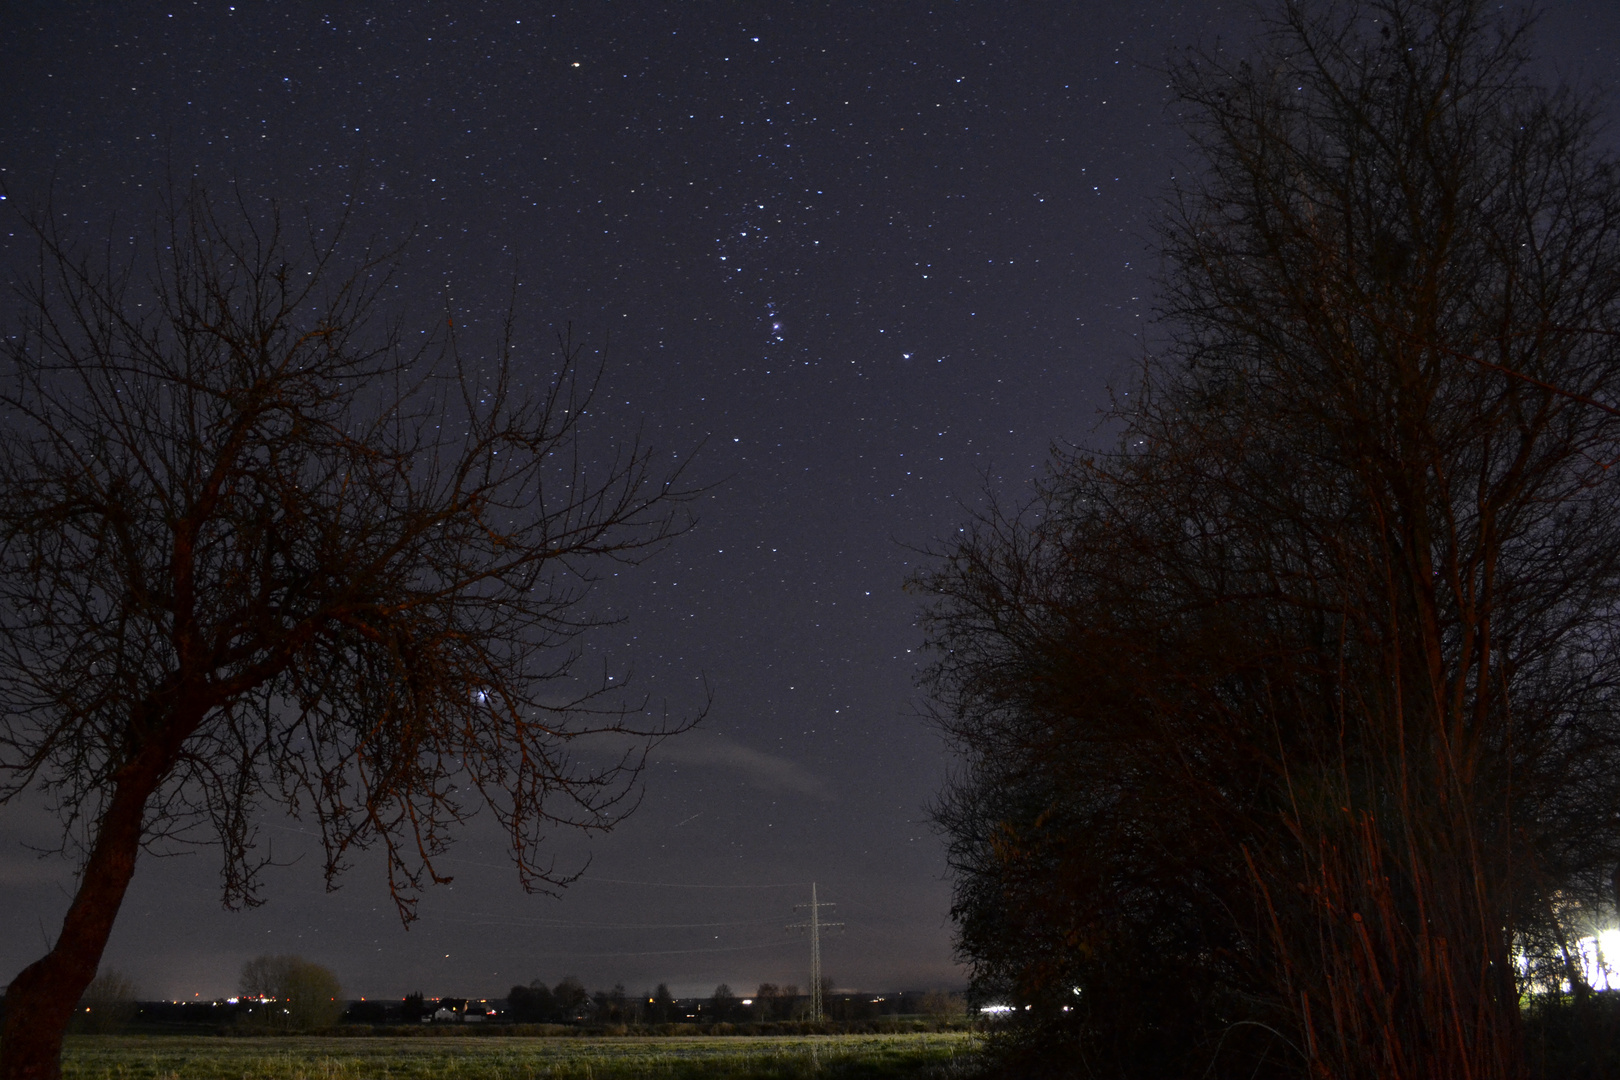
<point x="570" y="998"/>
<point x="661" y="1010"/>
<point x="370" y="1013"/>
<point x="723" y="1005"/>
<point x="1289" y="728"/>
<point x="1573" y="1037"/>
<point x="532" y="1004"/>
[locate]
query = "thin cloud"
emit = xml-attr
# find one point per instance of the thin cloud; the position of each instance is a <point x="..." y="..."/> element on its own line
<point x="768" y="771"/>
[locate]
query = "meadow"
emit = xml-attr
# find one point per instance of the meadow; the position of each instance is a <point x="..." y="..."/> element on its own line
<point x="858" y="1057"/>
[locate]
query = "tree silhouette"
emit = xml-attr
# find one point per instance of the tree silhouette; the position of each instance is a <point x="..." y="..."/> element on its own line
<point x="767" y="1001"/>
<point x="109" y="1002"/>
<point x="663" y="1005"/>
<point x="304" y="995"/>
<point x="257" y="547"/>
<point x="532" y="1004"/>
<point x="1289" y="728"/>
<point x="722" y="1003"/>
<point x="570" y="997"/>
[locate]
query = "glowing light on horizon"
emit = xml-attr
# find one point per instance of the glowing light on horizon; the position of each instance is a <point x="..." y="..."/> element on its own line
<point x="1600" y="959"/>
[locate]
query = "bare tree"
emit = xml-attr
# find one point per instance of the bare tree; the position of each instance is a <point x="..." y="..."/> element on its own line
<point x="256" y="547"/>
<point x="1296" y="715"/>
<point x="722" y="1003"/>
<point x="109" y="1002"/>
<point x="302" y="995"/>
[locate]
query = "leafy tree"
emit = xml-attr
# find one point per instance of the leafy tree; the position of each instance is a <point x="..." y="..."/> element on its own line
<point x="532" y="1004"/>
<point x="1290" y="726"/>
<point x="303" y="995"/>
<point x="569" y="997"/>
<point x="259" y="546"/>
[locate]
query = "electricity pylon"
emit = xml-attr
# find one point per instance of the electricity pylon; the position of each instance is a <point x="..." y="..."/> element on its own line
<point x="814" y="926"/>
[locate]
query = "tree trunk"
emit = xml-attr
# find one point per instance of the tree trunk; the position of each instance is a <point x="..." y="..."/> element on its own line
<point x="42" y="998"/>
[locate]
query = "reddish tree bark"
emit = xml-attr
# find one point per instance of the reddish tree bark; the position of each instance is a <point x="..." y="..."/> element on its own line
<point x="41" y="999"/>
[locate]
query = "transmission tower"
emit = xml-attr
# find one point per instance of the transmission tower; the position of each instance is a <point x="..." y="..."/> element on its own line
<point x="815" y="926"/>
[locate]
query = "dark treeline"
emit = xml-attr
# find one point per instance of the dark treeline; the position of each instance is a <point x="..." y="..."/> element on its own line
<point x="567" y="1003"/>
<point x="294" y="994"/>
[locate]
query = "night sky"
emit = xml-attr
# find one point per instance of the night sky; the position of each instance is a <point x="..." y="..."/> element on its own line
<point x="868" y="259"/>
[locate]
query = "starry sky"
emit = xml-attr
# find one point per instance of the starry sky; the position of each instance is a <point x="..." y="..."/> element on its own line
<point x="870" y="260"/>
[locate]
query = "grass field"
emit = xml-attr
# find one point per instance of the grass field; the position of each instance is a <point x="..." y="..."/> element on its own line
<point x="858" y="1057"/>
